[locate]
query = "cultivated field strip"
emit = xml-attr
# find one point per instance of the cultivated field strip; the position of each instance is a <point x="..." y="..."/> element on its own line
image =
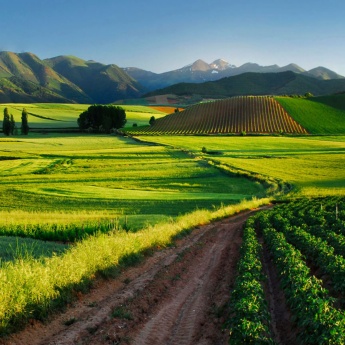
<point x="250" y="114"/>
<point x="304" y="240"/>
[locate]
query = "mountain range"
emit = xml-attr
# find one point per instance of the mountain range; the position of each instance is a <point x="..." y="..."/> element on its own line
<point x="68" y="79"/>
<point x="250" y="83"/>
<point x="200" y="71"/>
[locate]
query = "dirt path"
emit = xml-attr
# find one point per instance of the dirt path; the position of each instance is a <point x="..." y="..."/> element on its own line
<point x="177" y="296"/>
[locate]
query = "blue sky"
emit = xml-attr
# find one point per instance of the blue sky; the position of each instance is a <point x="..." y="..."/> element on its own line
<point x="160" y="35"/>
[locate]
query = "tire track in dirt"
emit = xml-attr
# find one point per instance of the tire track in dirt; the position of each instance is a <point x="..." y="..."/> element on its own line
<point x="164" y="310"/>
<point x="176" y="321"/>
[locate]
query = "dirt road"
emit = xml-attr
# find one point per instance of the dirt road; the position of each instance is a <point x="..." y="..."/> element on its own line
<point x="177" y="296"/>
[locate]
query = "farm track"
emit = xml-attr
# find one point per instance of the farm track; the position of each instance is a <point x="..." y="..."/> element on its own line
<point x="177" y="296"/>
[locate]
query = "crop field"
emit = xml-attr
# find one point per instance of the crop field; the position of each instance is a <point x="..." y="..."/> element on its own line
<point x="249" y="114"/>
<point x="315" y="166"/>
<point x="310" y="264"/>
<point x="319" y="115"/>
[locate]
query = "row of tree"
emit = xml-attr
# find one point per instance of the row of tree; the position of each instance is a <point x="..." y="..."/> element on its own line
<point x="9" y="125"/>
<point x="102" y="118"/>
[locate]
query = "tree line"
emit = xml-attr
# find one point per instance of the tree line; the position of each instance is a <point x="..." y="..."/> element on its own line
<point x="9" y="125"/>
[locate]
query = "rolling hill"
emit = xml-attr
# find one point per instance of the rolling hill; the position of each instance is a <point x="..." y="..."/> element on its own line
<point x="249" y="114"/>
<point x="256" y="115"/>
<point x="102" y="83"/>
<point x="319" y="115"/>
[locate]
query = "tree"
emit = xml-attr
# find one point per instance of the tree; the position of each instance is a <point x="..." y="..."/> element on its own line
<point x="12" y="125"/>
<point x="25" y="125"/>
<point x="102" y="118"/>
<point x="152" y="121"/>
<point x="6" y="124"/>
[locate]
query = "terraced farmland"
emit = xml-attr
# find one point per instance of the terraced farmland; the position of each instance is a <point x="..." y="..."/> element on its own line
<point x="250" y="114"/>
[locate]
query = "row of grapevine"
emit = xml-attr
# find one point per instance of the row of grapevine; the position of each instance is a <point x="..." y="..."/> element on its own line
<point x="300" y="237"/>
<point x="250" y="114"/>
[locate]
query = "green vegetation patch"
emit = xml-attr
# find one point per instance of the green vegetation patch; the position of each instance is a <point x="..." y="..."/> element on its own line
<point x="59" y="116"/>
<point x="319" y="115"/>
<point x="124" y="183"/>
<point x="315" y="166"/>
<point x="17" y="248"/>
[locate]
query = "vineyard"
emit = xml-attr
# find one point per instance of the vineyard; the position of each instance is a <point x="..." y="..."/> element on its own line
<point x="247" y="114"/>
<point x="305" y="241"/>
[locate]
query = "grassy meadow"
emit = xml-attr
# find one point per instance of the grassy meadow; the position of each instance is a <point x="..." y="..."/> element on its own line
<point x="59" y="116"/>
<point x="82" y="179"/>
<point x="315" y="166"/>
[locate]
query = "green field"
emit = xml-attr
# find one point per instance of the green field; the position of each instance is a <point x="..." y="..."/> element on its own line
<point x="78" y="173"/>
<point x="315" y="166"/>
<point x="319" y="115"/>
<point x="59" y="116"/>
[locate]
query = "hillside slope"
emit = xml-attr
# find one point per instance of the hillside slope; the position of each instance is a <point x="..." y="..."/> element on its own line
<point x="248" y="114"/>
<point x="102" y="83"/>
<point x="256" y="84"/>
<point x="25" y="78"/>
<point x="319" y="115"/>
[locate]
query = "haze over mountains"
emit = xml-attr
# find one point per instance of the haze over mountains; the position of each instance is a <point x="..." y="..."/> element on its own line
<point x="26" y="78"/>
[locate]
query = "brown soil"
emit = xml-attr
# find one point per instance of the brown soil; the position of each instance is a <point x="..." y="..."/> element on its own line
<point x="178" y="295"/>
<point x="282" y="328"/>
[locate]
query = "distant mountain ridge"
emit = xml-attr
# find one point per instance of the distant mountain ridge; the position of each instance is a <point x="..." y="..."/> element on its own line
<point x="200" y="71"/>
<point x="250" y="83"/>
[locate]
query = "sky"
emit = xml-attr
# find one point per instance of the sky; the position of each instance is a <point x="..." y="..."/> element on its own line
<point x="163" y="35"/>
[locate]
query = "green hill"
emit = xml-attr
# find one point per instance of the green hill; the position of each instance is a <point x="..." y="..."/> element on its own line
<point x="256" y="84"/>
<point x="26" y="78"/>
<point x="250" y="114"/>
<point x="64" y="79"/>
<point x="319" y="115"/>
<point x="102" y="83"/>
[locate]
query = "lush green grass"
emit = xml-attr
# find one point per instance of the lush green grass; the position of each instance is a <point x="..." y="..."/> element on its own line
<point x="16" y="248"/>
<point x="112" y="178"/>
<point x="319" y="115"/>
<point x="55" y="115"/>
<point x="315" y="166"/>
